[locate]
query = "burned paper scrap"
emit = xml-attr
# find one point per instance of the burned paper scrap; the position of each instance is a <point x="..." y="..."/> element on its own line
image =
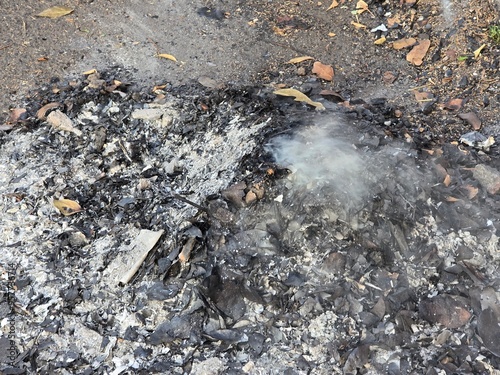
<point x="126" y="264"/>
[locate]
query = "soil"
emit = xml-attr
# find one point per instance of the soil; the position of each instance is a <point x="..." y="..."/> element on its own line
<point x="287" y="240"/>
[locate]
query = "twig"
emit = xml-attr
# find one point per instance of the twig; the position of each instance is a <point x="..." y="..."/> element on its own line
<point x="185" y="200"/>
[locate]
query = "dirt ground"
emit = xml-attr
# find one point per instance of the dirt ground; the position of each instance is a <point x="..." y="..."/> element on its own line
<point x="251" y="42"/>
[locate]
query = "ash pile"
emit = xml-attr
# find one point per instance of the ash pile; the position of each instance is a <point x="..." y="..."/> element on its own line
<point x="226" y="231"/>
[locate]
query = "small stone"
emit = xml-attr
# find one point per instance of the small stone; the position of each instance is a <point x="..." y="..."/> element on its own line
<point x="148" y="114"/>
<point x="447" y="310"/>
<point x="301" y="71"/>
<point x="463" y="82"/>
<point x="250" y="197"/>
<point x="488" y="177"/>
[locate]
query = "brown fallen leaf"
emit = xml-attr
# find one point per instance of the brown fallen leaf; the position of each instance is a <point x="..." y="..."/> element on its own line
<point x="279" y="31"/>
<point x="423" y="96"/>
<point x="471" y="119"/>
<point x="361" y="7"/>
<point x="403" y="43"/>
<point x="417" y="54"/>
<point x="55" y="12"/>
<point x="186" y="250"/>
<point x="67" y="206"/>
<point x="167" y="56"/>
<point x="380" y="40"/>
<point x="452" y="199"/>
<point x="297" y="60"/>
<point x="334" y="4"/>
<point x="389" y="77"/>
<point x="393" y="21"/>
<point x="358" y="25"/>
<point x="16" y="114"/>
<point x="471" y="191"/>
<point x="43" y="58"/>
<point x="331" y="35"/>
<point x="447" y="180"/>
<point x="300" y="97"/>
<point x="454" y="104"/>
<point x="323" y="71"/>
<point x="42" y="112"/>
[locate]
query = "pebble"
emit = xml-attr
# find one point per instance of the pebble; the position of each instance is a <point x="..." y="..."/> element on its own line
<point x="488" y="177"/>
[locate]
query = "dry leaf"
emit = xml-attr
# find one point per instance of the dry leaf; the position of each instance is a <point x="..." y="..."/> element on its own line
<point x="279" y="31"/>
<point x="423" y="96"/>
<point x="167" y="56"/>
<point x="417" y="54"/>
<point x="41" y="113"/>
<point x="55" y="12"/>
<point x="297" y="60"/>
<point x="331" y="34"/>
<point x="471" y="191"/>
<point x="380" y="40"/>
<point x="16" y="114"/>
<point x="89" y="72"/>
<point x="60" y="121"/>
<point x="447" y="180"/>
<point x="392" y="21"/>
<point x="471" y="119"/>
<point x="300" y="97"/>
<point x="454" y="104"/>
<point x="323" y="71"/>
<point x="361" y="7"/>
<point x="334" y="4"/>
<point x="451" y="199"/>
<point x="403" y="43"/>
<point x="358" y="25"/>
<point x="43" y="58"/>
<point x="186" y="250"/>
<point x="478" y="51"/>
<point x="66" y="206"/>
<point x="389" y="77"/>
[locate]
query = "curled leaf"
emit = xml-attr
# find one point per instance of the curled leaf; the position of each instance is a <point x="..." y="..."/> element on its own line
<point x="67" y="207"/>
<point x="55" y="12"/>
<point x="167" y="56"/>
<point x="297" y="60"/>
<point x="42" y="112"/>
<point x="300" y="97"/>
<point x="478" y="51"/>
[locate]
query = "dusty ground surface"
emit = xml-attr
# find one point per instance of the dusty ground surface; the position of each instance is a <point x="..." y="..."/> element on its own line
<point x="378" y="253"/>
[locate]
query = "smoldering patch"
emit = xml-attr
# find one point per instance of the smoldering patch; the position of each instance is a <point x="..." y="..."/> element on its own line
<point x="323" y="160"/>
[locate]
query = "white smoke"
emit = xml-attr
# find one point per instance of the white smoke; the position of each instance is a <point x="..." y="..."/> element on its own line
<point x="320" y="157"/>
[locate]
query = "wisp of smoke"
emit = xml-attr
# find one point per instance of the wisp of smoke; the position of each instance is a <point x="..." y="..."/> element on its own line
<point x="320" y="158"/>
<point x="447" y="11"/>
